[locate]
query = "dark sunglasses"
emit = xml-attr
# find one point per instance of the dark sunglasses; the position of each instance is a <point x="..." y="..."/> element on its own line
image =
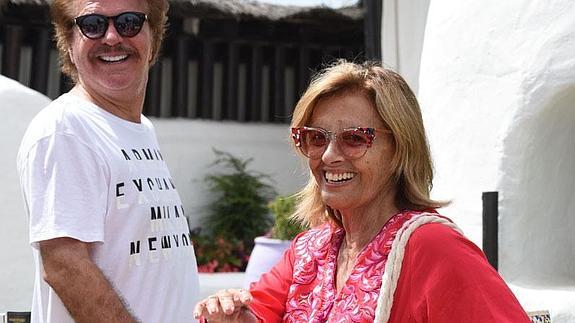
<point x="352" y="142"/>
<point x="127" y="24"/>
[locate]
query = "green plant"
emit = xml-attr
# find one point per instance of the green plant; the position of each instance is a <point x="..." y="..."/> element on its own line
<point x="238" y="210"/>
<point x="217" y="254"/>
<point x="284" y="228"/>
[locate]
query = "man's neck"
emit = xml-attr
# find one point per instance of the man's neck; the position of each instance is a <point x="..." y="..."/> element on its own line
<point x="126" y="107"/>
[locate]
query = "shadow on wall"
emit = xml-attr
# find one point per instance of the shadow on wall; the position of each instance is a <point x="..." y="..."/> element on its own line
<point x="538" y="189"/>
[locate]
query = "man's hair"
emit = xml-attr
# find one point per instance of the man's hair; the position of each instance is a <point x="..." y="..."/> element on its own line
<point x="62" y="12"/>
<point x="398" y="109"/>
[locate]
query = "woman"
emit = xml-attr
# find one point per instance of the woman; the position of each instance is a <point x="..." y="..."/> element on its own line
<point x="377" y="249"/>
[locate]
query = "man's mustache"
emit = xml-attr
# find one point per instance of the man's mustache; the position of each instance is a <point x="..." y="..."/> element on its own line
<point x="116" y="49"/>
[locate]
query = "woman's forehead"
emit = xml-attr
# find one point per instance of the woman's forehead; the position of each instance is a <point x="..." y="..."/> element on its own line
<point x="344" y="111"/>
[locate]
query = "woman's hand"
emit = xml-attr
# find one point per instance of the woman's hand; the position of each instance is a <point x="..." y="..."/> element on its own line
<point x="226" y="305"/>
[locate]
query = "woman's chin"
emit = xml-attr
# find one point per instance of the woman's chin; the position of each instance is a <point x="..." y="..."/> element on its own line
<point x="335" y="202"/>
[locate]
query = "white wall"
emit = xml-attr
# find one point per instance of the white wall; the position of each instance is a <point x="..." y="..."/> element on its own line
<point x="538" y="182"/>
<point x="497" y="89"/>
<point x="402" y="34"/>
<point x="18" y="105"/>
<point x="465" y="101"/>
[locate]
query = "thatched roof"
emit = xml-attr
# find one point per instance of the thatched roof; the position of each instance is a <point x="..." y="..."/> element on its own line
<point x="241" y="9"/>
<point x="249" y="9"/>
<point x="27" y="2"/>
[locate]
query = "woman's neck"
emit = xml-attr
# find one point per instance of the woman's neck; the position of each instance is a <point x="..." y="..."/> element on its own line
<point x="363" y="224"/>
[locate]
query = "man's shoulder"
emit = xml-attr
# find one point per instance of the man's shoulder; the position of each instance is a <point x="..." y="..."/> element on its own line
<point x="147" y="122"/>
<point x="57" y="111"/>
<point x="58" y="117"/>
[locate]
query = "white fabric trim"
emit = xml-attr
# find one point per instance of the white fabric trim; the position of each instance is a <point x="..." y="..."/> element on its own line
<point x="395" y="260"/>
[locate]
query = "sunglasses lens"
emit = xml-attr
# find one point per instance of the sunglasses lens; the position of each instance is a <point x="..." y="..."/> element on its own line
<point x="313" y="143"/>
<point x="354" y="138"/>
<point x="93" y="26"/>
<point x="129" y="24"/>
<point x="353" y="143"/>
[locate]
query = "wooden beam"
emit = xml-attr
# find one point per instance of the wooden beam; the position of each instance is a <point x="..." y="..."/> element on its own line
<point x="153" y="101"/>
<point x="256" y="83"/>
<point x="278" y="109"/>
<point x="218" y="90"/>
<point x="304" y="69"/>
<point x="180" y="75"/>
<point x="194" y="80"/>
<point x="242" y="92"/>
<point x="372" y="28"/>
<point x="12" y="50"/>
<point x="207" y="72"/>
<point x="231" y="81"/>
<point x="41" y="60"/>
<point x="66" y="84"/>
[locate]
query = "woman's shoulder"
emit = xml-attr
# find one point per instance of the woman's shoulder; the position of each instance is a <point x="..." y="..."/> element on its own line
<point x="440" y="241"/>
<point x="447" y="270"/>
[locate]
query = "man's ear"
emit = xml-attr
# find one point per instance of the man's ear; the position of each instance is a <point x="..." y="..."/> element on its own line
<point x="71" y="55"/>
<point x="150" y="55"/>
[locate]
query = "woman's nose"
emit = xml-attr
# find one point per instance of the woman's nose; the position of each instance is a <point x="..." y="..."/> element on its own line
<point x="332" y="153"/>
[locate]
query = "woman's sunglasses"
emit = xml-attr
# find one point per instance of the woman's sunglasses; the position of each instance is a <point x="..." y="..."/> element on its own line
<point x="127" y="24"/>
<point x="352" y="142"/>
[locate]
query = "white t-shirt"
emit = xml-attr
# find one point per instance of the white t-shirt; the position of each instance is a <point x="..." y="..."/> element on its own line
<point x="89" y="175"/>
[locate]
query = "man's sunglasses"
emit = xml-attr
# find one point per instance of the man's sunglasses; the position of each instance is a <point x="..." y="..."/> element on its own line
<point x="352" y="142"/>
<point x="127" y="24"/>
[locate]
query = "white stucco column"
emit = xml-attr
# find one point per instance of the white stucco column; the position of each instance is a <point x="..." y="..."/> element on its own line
<point x="497" y="89"/>
<point x="402" y="30"/>
<point x="18" y="105"/>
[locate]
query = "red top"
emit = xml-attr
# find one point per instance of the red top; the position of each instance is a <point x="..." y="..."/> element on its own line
<point x="444" y="278"/>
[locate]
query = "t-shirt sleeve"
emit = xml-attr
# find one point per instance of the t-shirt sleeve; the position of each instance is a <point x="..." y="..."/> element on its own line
<point x="446" y="278"/>
<point x="271" y="290"/>
<point x="65" y="190"/>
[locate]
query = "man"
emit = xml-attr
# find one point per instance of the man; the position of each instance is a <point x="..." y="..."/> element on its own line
<point x="110" y="238"/>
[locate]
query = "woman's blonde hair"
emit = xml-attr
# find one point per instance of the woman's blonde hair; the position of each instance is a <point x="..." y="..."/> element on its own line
<point x="398" y="108"/>
<point x="63" y="12"/>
